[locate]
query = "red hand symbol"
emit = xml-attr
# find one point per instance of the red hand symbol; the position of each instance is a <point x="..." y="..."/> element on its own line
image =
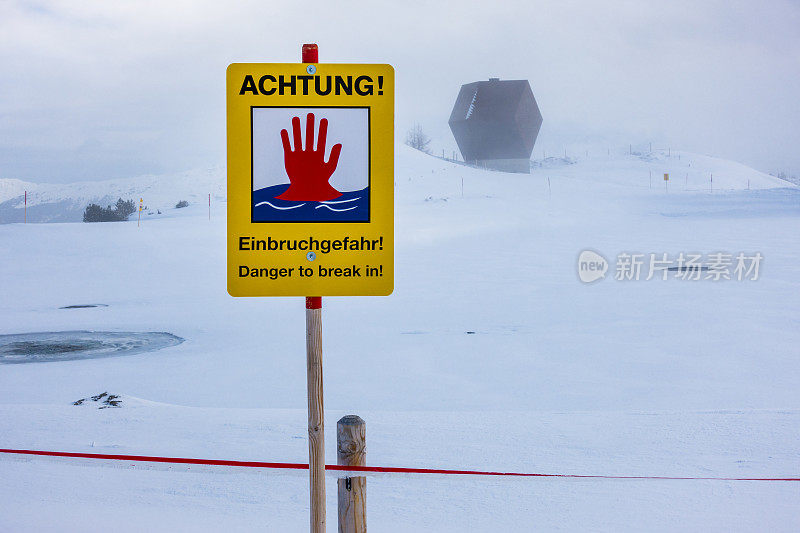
<point x="307" y="170"/>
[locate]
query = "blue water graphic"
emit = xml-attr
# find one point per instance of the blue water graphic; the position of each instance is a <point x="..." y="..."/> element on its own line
<point x="351" y="206"/>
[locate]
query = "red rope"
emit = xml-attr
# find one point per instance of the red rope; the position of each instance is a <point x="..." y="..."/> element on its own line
<point x="390" y="469"/>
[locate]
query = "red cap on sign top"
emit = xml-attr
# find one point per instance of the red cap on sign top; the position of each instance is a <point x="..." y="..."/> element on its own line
<point x="311" y="55"/>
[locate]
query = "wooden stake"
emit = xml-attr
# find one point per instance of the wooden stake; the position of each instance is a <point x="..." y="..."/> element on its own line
<point x="316" y="417"/>
<point x="351" y="451"/>
<point x="316" y="411"/>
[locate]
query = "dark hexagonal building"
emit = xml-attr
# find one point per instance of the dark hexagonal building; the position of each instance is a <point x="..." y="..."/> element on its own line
<point x="495" y="124"/>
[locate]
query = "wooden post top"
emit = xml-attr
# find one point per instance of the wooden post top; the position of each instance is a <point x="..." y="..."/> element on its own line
<point x="351" y="437"/>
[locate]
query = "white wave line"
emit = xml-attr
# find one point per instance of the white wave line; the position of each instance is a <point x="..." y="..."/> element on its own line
<point x="281" y="208"/>
<point x="340" y="201"/>
<point x="337" y="210"/>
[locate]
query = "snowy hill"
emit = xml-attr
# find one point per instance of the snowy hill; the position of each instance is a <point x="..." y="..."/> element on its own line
<point x="66" y="202"/>
<point x="491" y="354"/>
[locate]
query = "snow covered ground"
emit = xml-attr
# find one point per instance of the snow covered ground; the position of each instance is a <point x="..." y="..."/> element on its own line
<point x="490" y="355"/>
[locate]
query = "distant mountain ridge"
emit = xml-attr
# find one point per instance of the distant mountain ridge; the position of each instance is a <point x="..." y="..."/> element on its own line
<point x="65" y="202"/>
<point x="10" y="188"/>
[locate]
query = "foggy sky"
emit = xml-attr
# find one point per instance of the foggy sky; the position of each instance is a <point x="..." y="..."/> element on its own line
<point x="97" y="89"/>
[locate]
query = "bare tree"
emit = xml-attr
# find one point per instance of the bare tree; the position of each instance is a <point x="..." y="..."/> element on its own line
<point x="418" y="139"/>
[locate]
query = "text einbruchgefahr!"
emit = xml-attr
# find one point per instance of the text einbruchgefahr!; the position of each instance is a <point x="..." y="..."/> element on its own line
<point x="311" y="244"/>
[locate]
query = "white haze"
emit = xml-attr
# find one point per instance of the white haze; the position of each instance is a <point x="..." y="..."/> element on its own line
<point x="98" y="90"/>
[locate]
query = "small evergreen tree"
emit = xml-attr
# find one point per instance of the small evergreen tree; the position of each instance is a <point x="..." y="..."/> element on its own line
<point x="93" y="213"/>
<point x="125" y="209"/>
<point x="121" y="211"/>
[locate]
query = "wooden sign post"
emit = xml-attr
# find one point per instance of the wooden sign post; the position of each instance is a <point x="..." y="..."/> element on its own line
<point x="316" y="411"/>
<point x="316" y="414"/>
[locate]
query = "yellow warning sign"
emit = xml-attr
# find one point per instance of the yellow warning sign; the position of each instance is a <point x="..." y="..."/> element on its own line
<point x="666" y="177"/>
<point x="310" y="179"/>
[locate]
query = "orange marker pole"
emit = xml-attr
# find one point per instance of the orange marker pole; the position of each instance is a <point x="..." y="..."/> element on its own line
<point x="138" y="222"/>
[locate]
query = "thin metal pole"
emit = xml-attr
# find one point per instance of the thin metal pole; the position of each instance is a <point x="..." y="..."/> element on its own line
<point x="316" y="411"/>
